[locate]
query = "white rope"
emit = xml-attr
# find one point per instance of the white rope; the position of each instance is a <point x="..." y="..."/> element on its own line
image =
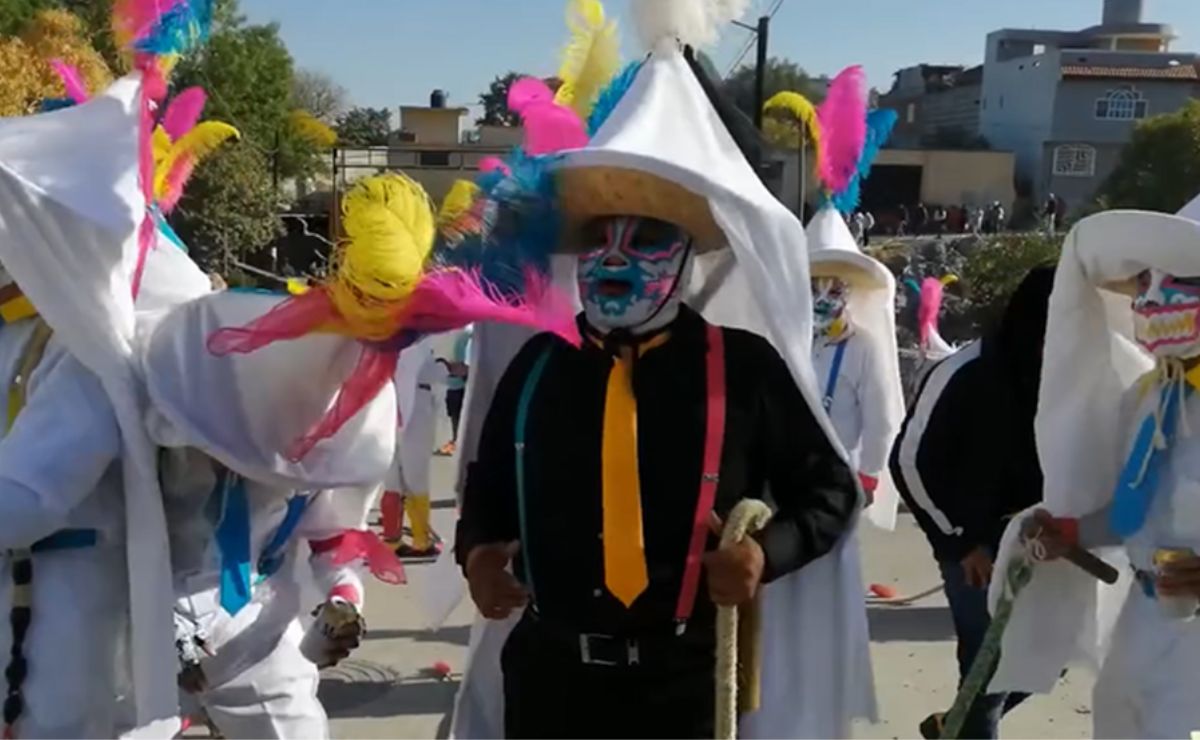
<point x="750" y="515"/>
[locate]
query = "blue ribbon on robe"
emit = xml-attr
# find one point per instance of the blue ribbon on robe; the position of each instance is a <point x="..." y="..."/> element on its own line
<point x="273" y="555"/>
<point x="1140" y="477"/>
<point x="233" y="540"/>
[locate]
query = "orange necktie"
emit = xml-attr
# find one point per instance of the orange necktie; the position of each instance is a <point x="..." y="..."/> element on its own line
<point x="624" y="543"/>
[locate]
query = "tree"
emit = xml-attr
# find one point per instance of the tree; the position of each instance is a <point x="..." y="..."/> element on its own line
<point x="229" y="208"/>
<point x="495" y="102"/>
<point x="781" y="75"/>
<point x="27" y="77"/>
<point x="364" y="127"/>
<point x="319" y="95"/>
<point x="1159" y="169"/>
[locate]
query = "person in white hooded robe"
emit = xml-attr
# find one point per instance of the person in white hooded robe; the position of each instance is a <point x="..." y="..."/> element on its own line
<point x="855" y="356"/>
<point x="1114" y="430"/>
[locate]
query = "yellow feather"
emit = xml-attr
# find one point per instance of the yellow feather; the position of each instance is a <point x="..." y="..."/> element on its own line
<point x="949" y="279"/>
<point x="803" y="111"/>
<point x="390" y="232"/>
<point x="458" y="201"/>
<point x="161" y="144"/>
<point x="591" y="59"/>
<point x="200" y="142"/>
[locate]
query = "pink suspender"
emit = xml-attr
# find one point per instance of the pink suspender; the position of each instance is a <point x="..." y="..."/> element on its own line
<point x="710" y="474"/>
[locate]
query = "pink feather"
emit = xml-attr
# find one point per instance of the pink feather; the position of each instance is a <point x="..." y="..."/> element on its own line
<point x="290" y="319"/>
<point x="550" y="128"/>
<point x="492" y="163"/>
<point x="928" y="309"/>
<point x="183" y="112"/>
<point x="71" y="79"/>
<point x="843" y="118"/>
<point x="528" y="91"/>
<point x="177" y="179"/>
<point x="450" y="299"/>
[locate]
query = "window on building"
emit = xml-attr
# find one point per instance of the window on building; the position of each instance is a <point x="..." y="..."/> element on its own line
<point x="434" y="159"/>
<point x="1075" y="160"/>
<point x="910" y="114"/>
<point x="1121" y="104"/>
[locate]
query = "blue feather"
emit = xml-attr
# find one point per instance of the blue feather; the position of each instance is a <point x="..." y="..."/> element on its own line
<point x="880" y="123"/>
<point x="180" y="29"/>
<point x="521" y="229"/>
<point x="611" y="95"/>
<point x="49" y="105"/>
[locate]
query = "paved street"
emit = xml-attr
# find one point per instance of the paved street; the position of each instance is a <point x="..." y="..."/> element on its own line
<point x="386" y="690"/>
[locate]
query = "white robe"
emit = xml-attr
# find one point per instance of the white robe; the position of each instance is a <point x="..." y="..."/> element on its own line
<point x="59" y="468"/>
<point x="260" y="685"/>
<point x="417" y="372"/>
<point x="862" y="415"/>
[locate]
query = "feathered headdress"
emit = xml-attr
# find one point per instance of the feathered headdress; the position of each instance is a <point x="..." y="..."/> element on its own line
<point x="157" y="33"/>
<point x="388" y="293"/>
<point x="850" y="138"/>
<point x="178" y="143"/>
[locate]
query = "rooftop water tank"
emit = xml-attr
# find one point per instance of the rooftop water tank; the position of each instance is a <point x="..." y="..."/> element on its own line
<point x="437" y="99"/>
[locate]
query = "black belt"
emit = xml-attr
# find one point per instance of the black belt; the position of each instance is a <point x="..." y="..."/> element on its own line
<point x="424" y="386"/>
<point x="599" y="649"/>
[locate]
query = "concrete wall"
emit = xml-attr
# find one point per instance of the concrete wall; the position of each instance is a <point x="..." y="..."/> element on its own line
<point x="1075" y="107"/>
<point x="956" y="108"/>
<point x="1017" y="106"/>
<point x="948" y="177"/>
<point x="432" y="125"/>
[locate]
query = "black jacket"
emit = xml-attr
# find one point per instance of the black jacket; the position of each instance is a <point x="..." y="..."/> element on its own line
<point x="965" y="459"/>
<point x="773" y="449"/>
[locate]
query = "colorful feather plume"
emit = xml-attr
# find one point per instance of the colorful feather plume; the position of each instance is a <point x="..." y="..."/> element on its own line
<point x="879" y="129"/>
<point x="388" y="293"/>
<point x="72" y="81"/>
<point x="157" y="33"/>
<point x="173" y="171"/>
<point x="611" y="96"/>
<point x="592" y="57"/>
<point x="843" y="118"/>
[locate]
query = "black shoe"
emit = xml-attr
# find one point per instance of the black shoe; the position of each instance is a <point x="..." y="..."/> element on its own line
<point x="405" y="551"/>
<point x="931" y="727"/>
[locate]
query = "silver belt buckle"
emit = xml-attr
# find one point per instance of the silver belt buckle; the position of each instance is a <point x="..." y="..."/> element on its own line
<point x="585" y="651"/>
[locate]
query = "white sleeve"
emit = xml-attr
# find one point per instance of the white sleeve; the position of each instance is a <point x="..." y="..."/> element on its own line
<point x="63" y="441"/>
<point x="879" y="429"/>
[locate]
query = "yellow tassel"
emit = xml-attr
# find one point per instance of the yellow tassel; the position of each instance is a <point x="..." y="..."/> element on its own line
<point x="200" y="142"/>
<point x="592" y="57"/>
<point x="390" y="232"/>
<point x="457" y="202"/>
<point x="296" y="286"/>
<point x="803" y="110"/>
<point x="161" y="144"/>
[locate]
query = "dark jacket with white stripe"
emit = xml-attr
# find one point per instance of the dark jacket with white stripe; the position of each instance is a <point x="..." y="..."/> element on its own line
<point x="965" y="460"/>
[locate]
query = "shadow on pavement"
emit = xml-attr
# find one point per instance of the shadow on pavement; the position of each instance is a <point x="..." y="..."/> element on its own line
<point x="458" y="635"/>
<point x="362" y="689"/>
<point x="910" y="624"/>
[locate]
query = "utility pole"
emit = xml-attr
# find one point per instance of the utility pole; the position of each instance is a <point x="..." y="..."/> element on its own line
<point x="762" y="36"/>
<point x="760" y="71"/>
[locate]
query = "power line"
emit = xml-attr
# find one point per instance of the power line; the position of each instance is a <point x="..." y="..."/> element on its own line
<point x="750" y="42"/>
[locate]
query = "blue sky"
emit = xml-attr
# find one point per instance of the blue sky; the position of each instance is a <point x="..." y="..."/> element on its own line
<point x="388" y="53"/>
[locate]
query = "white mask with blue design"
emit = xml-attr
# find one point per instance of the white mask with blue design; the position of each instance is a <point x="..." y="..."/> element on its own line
<point x="631" y="273"/>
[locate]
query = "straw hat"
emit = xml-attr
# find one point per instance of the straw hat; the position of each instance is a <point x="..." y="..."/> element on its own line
<point x="595" y="192"/>
<point x="832" y="252"/>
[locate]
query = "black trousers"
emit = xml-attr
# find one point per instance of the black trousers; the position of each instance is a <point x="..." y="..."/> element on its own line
<point x="550" y="693"/>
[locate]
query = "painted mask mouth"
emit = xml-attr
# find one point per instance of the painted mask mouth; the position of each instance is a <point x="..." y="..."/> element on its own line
<point x="614" y="288"/>
<point x="1166" y="327"/>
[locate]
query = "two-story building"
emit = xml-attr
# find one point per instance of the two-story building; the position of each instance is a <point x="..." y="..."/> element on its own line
<point x="1066" y="102"/>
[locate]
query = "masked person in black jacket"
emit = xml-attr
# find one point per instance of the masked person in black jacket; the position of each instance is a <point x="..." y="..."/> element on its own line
<point x="965" y="461"/>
